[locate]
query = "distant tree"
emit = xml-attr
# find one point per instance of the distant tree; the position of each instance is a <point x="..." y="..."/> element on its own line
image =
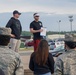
<point x="26" y="33"/>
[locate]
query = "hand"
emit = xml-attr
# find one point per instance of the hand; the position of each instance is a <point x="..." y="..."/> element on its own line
<point x="40" y="30"/>
<point x="12" y="35"/>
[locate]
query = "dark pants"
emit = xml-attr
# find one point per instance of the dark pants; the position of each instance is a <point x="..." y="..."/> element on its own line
<point x="49" y="73"/>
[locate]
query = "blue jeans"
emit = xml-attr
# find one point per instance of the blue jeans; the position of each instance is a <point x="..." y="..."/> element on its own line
<point x="45" y="74"/>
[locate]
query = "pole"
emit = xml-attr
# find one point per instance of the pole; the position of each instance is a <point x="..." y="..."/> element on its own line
<point x="71" y="20"/>
<point x="71" y="26"/>
<point x="59" y="27"/>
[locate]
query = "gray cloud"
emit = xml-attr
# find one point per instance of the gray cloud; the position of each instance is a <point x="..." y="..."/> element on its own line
<point x="58" y="6"/>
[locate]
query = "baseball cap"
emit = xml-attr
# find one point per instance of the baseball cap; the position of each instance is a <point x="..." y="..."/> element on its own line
<point x="5" y="31"/>
<point x="16" y="12"/>
<point x="70" y="37"/>
<point x="36" y="14"/>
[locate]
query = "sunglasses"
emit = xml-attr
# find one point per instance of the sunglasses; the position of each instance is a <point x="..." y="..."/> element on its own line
<point x="36" y="16"/>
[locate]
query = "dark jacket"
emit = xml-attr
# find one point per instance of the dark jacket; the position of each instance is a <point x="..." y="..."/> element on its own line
<point x="1" y="72"/>
<point x="40" y="69"/>
<point x="15" y="25"/>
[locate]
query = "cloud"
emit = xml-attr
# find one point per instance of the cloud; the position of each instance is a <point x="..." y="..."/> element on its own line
<point x="49" y="6"/>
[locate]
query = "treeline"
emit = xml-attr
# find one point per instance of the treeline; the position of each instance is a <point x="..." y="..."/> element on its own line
<point x="27" y="33"/>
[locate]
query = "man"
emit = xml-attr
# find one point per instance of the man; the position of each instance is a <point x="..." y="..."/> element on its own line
<point x="35" y="28"/>
<point x="10" y="62"/>
<point x="16" y="28"/>
<point x="66" y="63"/>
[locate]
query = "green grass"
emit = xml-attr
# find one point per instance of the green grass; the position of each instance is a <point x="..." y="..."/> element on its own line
<point x="26" y="49"/>
<point x="23" y="48"/>
<point x="22" y="45"/>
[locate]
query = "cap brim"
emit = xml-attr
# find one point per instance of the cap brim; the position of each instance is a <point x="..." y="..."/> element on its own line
<point x="19" y="13"/>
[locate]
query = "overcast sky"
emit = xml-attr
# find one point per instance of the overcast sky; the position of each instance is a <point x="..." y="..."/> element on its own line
<point x="49" y="6"/>
<point x="56" y="9"/>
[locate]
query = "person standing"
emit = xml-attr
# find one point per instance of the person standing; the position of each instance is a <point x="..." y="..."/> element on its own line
<point x="66" y="63"/>
<point x="35" y="28"/>
<point x="16" y="28"/>
<point x="41" y="61"/>
<point x="10" y="61"/>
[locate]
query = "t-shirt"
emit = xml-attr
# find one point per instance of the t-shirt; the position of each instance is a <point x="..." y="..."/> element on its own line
<point x="36" y="26"/>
